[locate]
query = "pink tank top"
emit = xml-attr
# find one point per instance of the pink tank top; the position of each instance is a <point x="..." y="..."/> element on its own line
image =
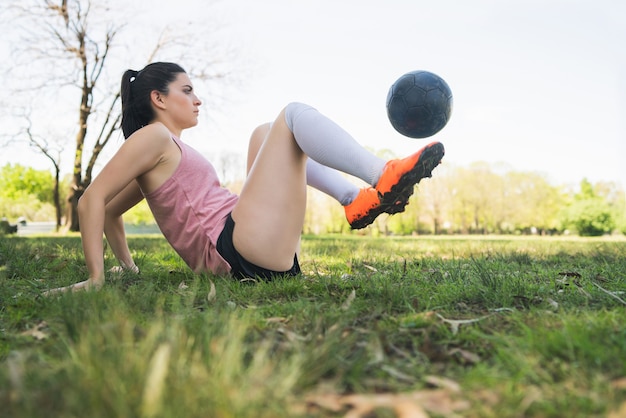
<point x="191" y="208"/>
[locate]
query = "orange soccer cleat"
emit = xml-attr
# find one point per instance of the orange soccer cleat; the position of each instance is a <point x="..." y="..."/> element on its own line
<point x="395" y="186"/>
<point x="364" y="209"/>
<point x="396" y="183"/>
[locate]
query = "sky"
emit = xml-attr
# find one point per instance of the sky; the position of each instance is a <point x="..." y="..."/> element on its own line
<point x="539" y="85"/>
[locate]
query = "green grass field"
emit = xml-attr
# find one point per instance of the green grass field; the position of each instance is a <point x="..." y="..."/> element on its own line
<point x="375" y="327"/>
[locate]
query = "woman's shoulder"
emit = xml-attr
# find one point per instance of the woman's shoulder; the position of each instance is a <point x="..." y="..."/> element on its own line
<point x="154" y="131"/>
<point x="150" y="143"/>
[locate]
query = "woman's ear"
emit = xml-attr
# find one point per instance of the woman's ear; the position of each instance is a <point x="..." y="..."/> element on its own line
<point x="157" y="99"/>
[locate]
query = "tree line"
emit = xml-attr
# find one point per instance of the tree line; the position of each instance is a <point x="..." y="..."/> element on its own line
<point x="477" y="199"/>
<point x="484" y="198"/>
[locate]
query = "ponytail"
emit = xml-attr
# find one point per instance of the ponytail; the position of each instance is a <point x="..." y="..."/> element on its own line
<point x="129" y="123"/>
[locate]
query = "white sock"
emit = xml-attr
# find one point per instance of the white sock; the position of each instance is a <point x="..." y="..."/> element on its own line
<point x="331" y="182"/>
<point x="327" y="143"/>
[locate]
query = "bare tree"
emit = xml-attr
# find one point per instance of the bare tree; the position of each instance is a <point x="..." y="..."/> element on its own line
<point x="72" y="44"/>
<point x="53" y="154"/>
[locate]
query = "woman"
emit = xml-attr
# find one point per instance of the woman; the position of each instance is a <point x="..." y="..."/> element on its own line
<point x="257" y="233"/>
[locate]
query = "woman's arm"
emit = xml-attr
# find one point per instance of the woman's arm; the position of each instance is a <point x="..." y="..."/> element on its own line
<point x="138" y="158"/>
<point x="114" y="224"/>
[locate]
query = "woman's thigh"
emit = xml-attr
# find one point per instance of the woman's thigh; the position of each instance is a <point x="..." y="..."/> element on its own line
<point x="270" y="213"/>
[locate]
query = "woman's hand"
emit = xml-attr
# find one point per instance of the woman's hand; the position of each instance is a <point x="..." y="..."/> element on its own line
<point x="92" y="284"/>
<point x="89" y="284"/>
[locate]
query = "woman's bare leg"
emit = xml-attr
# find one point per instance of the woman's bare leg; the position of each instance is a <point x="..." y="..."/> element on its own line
<point x="270" y="213"/>
<point x="323" y="178"/>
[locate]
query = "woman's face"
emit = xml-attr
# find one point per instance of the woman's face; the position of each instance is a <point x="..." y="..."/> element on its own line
<point x="182" y="103"/>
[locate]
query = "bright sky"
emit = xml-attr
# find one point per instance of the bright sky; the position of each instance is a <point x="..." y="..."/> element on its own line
<point x="537" y="84"/>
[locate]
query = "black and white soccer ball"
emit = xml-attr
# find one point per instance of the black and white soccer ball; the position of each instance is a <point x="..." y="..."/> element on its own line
<point x="419" y="104"/>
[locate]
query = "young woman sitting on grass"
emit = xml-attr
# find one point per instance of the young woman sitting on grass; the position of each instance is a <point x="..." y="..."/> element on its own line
<point x="257" y="233"/>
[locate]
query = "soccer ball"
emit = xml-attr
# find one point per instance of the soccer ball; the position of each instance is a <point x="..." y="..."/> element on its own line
<point x="419" y="104"/>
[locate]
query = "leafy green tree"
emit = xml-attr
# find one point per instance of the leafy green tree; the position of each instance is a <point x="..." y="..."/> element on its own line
<point x="478" y="190"/>
<point x="620" y="213"/>
<point x="590" y="217"/>
<point x="532" y="202"/>
<point x="26" y="192"/>
<point x="615" y="196"/>
<point x="17" y="181"/>
<point x="589" y="214"/>
<point x="139" y="215"/>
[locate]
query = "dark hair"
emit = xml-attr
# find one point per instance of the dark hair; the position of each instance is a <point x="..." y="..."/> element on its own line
<point x="135" y="91"/>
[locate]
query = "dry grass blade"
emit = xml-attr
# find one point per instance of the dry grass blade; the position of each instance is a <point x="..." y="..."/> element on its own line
<point x="613" y="295"/>
<point x="155" y="382"/>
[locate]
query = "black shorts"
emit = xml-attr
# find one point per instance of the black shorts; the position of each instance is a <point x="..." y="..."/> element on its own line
<point x="242" y="268"/>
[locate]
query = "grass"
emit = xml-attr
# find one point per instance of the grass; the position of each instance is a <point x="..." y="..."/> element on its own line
<point x="376" y="327"/>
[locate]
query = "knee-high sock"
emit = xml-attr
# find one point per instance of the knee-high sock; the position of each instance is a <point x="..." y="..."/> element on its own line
<point x="331" y="182"/>
<point x="327" y="143"/>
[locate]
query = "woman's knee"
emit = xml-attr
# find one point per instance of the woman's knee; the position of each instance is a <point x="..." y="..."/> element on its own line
<point x="256" y="140"/>
<point x="292" y="111"/>
<point x="258" y="135"/>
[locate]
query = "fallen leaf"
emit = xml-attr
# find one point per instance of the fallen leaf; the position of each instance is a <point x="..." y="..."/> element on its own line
<point x="275" y="319"/>
<point x="330" y="402"/>
<point x="570" y="274"/>
<point x="377" y="351"/>
<point x="456" y="323"/>
<point x="466" y="356"/>
<point x="364" y="405"/>
<point x="37" y="332"/>
<point x="292" y="336"/>
<point x="212" y="292"/>
<point x="398" y="374"/>
<point x="408" y="409"/>
<point x="619" y="383"/>
<point x="348" y="301"/>
<point x="486" y="396"/>
<point x="619" y="413"/>
<point x="503" y="309"/>
<point x="601" y="279"/>
<point x="443" y="383"/>
<point x="405" y="405"/>
<point x="553" y="303"/>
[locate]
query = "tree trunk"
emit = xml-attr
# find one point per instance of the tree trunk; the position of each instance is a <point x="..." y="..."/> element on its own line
<point x="78" y="186"/>
<point x="56" y="198"/>
<point x="72" y="208"/>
